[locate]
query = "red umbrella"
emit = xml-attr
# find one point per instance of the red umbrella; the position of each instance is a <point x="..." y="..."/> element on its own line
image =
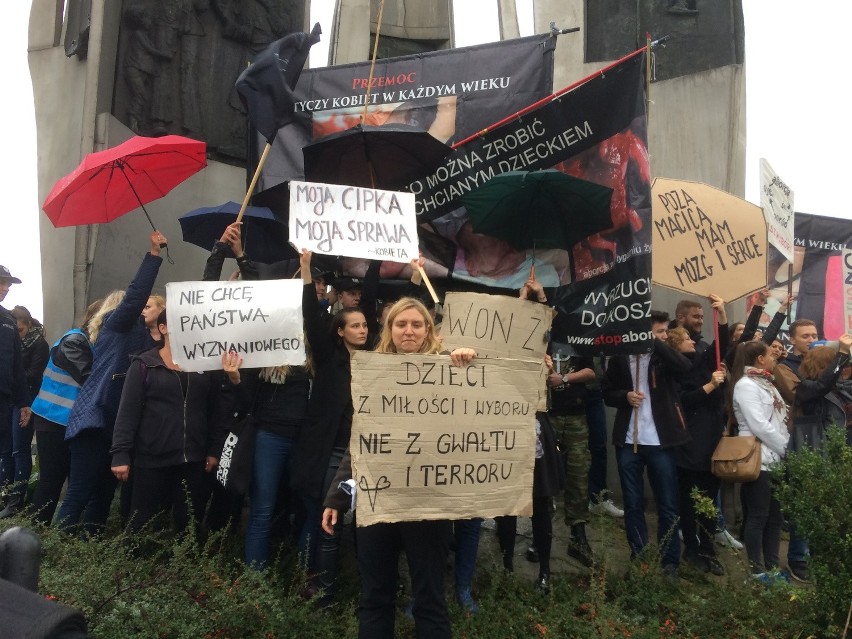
<point x="110" y="183"/>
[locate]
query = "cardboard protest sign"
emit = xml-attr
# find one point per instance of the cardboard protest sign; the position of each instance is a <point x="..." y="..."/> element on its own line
<point x="433" y="441"/>
<point x="776" y="198"/>
<point x="260" y="320"/>
<point x="496" y="325"/>
<point x="706" y="240"/>
<point x="334" y="219"/>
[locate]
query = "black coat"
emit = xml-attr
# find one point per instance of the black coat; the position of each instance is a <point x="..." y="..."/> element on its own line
<point x="704" y="413"/>
<point x="34" y="359"/>
<point x="665" y="367"/>
<point x="156" y="425"/>
<point x="13" y="385"/>
<point x="330" y="405"/>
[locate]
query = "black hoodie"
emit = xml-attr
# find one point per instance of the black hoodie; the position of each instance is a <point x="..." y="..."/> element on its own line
<point x="164" y="420"/>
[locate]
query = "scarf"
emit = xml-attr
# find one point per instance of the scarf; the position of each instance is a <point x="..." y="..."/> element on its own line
<point x="765" y="380"/>
<point x="33" y="335"/>
<point x="275" y="374"/>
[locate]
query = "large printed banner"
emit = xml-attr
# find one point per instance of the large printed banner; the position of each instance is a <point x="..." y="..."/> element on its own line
<point x="450" y="93"/>
<point x="260" y="320"/>
<point x="353" y="221"/>
<point x="818" y="275"/>
<point x="433" y="441"/>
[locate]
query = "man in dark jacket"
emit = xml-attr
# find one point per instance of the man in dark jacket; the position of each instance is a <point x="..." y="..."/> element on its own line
<point x="13" y="382"/>
<point x="648" y="426"/>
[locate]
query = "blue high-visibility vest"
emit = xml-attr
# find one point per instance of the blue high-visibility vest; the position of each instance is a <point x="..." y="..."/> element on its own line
<point x="58" y="390"/>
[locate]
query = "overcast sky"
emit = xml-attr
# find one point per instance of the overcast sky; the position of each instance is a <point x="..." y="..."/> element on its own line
<point x="795" y="116"/>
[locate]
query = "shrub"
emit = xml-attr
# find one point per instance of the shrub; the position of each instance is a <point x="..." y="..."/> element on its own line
<point x="815" y="491"/>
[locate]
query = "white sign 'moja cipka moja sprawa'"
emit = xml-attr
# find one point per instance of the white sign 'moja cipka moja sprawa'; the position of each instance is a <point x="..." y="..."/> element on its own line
<point x="354" y="221"/>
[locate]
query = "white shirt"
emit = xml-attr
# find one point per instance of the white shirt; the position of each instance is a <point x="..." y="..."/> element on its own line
<point x="647" y="427"/>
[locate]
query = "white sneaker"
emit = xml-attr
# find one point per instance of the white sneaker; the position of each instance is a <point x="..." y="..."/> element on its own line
<point x="725" y="538"/>
<point x="606" y="507"/>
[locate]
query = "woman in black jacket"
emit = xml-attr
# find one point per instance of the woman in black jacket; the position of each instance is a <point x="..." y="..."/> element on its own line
<point x="165" y="425"/>
<point x="703" y="406"/>
<point x="818" y="392"/>
<point x="34" y="353"/>
<point x="321" y="446"/>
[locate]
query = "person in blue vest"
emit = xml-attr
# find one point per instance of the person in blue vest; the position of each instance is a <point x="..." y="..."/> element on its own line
<point x="117" y="331"/>
<point x="68" y="367"/>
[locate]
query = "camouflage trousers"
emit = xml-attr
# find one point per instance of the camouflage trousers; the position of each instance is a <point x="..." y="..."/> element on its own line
<point x="572" y="432"/>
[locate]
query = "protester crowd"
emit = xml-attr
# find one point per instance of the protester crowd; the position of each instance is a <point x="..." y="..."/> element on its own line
<point x="109" y="406"/>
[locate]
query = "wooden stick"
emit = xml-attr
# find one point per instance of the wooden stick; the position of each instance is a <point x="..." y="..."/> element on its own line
<point x="254" y="181"/>
<point x="428" y="284"/>
<point x="716" y="338"/>
<point x="636" y="414"/>
<point x="373" y="60"/>
<point x="789" y="291"/>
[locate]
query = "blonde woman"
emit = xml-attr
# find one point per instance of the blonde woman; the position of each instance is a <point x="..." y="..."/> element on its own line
<point x="116" y="332"/>
<point x="409" y="329"/>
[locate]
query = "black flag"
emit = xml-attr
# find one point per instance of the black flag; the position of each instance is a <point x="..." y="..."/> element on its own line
<point x="266" y="86"/>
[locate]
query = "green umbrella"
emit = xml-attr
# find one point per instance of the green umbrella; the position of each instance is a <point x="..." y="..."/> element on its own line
<point x="539" y="209"/>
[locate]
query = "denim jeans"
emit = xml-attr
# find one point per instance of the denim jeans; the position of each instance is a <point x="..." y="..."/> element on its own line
<point x="662" y="475"/>
<point x="22" y="455"/>
<point x="797" y="548"/>
<point x="596" y="421"/>
<point x="467" y="547"/>
<point x="272" y="454"/>
<point x="91" y="484"/>
<point x="6" y="471"/>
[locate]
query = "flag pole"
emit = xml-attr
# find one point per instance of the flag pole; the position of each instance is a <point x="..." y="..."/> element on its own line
<point x="254" y="181"/>
<point x="373" y="61"/>
<point x="647" y="77"/>
<point x="636" y="414"/>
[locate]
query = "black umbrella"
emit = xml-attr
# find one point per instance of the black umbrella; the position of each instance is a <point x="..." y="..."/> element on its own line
<point x="264" y="237"/>
<point x="382" y="157"/>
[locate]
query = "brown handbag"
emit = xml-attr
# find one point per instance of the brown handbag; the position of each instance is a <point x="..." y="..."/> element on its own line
<point x="736" y="458"/>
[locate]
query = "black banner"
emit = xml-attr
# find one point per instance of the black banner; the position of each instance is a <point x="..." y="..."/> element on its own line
<point x="451" y="94"/>
<point x="597" y="132"/>
<point x="563" y="128"/>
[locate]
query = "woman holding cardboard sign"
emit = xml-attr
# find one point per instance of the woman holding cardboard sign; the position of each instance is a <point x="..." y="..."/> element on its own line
<point x="409" y="328"/>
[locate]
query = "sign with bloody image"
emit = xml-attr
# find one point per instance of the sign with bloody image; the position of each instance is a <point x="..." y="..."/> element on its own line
<point x="706" y="240"/>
